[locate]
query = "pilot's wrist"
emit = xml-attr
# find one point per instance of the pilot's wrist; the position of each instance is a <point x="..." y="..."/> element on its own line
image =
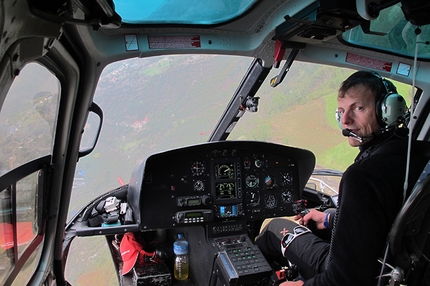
<point x="327" y="220"/>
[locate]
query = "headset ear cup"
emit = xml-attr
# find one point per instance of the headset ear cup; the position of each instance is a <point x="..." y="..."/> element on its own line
<point x="338" y="117"/>
<point x="391" y="108"/>
<point x="389" y="105"/>
<point x="379" y="110"/>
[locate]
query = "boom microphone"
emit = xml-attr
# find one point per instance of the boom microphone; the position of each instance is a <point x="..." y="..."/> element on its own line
<point x="349" y="133"/>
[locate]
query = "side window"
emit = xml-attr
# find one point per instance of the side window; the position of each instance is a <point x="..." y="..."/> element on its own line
<point x="27" y="129"/>
<point x="27" y="117"/>
<point x="19" y="228"/>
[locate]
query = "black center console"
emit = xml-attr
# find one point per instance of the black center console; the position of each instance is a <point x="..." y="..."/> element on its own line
<point x="239" y="261"/>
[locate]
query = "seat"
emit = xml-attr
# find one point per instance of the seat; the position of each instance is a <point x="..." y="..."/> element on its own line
<point x="408" y="247"/>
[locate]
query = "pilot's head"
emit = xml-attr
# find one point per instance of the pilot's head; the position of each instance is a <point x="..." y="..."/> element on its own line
<point x="366" y="104"/>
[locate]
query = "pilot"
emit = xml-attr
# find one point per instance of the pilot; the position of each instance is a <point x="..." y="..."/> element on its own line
<point x="342" y="247"/>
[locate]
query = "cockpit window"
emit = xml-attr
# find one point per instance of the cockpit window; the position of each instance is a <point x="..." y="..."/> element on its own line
<point x="28" y="116"/>
<point x="178" y="101"/>
<point x="27" y="128"/>
<point x="24" y="218"/>
<point x="181" y="11"/>
<point x="391" y="32"/>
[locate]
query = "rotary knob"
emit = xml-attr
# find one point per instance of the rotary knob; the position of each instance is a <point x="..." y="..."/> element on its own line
<point x="206" y="200"/>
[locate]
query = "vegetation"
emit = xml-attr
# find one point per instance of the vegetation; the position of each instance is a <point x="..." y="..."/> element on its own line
<point x="300" y="113"/>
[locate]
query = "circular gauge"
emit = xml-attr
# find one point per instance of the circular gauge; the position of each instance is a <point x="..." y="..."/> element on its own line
<point x="251" y="181"/>
<point x="259" y="163"/>
<point x="269" y="181"/>
<point x="270" y="201"/>
<point x="287" y="178"/>
<point x="252" y="198"/>
<point x="197" y="168"/>
<point x="287" y="196"/>
<point x="225" y="171"/>
<point x="199" y="186"/>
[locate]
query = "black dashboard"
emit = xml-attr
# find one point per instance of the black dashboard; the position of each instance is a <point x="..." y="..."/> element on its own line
<point x="218" y="182"/>
<point x="216" y="194"/>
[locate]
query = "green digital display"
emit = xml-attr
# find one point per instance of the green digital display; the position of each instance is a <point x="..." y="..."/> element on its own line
<point x="192" y="202"/>
<point x="225" y="190"/>
<point x="193" y="214"/>
<point x="225" y="171"/>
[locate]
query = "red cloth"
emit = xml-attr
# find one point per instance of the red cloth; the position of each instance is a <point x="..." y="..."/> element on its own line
<point x="130" y="250"/>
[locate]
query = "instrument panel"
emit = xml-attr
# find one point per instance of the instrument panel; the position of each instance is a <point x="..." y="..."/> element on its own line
<point x="218" y="182"/>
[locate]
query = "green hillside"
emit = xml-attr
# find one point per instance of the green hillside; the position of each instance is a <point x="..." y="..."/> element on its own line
<point x="300" y="113"/>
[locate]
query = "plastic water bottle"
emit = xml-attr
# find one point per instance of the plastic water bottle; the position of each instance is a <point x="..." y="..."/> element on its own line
<point x="180" y="248"/>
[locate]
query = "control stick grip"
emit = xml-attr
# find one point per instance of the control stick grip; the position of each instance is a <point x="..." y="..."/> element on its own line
<point x="299" y="207"/>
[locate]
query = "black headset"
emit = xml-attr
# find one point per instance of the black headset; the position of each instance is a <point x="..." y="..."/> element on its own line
<point x="390" y="106"/>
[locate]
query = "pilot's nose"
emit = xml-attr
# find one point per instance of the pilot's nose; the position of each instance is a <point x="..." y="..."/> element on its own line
<point x="346" y="118"/>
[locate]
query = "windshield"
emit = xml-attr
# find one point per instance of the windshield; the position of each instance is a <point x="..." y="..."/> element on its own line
<point x="151" y="105"/>
<point x="172" y="101"/>
<point x="159" y="103"/>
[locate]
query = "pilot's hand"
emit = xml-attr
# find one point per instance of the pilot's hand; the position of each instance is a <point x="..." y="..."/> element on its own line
<point x="313" y="215"/>
<point x="292" y="283"/>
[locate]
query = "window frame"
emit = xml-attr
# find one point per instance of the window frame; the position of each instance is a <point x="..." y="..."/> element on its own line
<point x="9" y="181"/>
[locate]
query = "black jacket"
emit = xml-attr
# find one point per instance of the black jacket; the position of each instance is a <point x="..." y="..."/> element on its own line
<point x="370" y="196"/>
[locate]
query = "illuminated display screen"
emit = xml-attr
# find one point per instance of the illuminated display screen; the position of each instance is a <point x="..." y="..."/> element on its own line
<point x="228" y="211"/>
<point x="193" y="202"/>
<point x="193" y="214"/>
<point x="225" y="171"/>
<point x="225" y="190"/>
